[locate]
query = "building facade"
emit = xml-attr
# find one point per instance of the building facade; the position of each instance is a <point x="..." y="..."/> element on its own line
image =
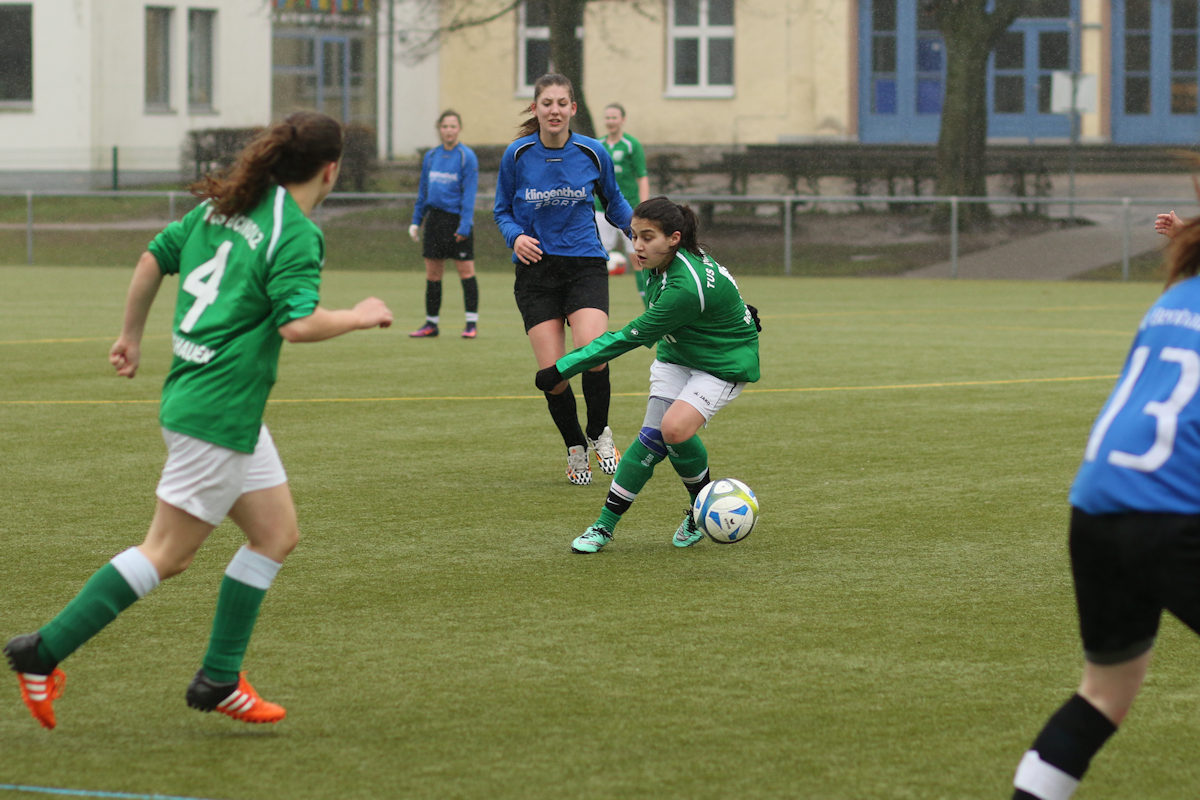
<point x="87" y="82"/>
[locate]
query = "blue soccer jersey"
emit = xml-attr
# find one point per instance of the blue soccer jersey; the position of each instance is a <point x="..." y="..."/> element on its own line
<point x="1144" y="450"/>
<point x="547" y="193"/>
<point x="449" y="180"/>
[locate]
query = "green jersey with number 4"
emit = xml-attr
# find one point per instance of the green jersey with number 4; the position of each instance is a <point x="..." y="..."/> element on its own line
<point x="696" y="315"/>
<point x="240" y="279"/>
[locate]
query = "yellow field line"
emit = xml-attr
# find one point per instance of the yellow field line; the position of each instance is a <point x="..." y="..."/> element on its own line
<point x="479" y="398"/>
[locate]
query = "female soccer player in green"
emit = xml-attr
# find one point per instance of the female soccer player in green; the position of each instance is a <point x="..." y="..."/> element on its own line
<point x="707" y="341"/>
<point x="249" y="265"/>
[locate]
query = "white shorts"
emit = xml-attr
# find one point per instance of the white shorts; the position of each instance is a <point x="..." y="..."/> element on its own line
<point x="704" y="392"/>
<point x="612" y="238"/>
<point x="205" y="479"/>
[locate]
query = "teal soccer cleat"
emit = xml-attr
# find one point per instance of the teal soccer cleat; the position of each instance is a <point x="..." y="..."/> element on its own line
<point x="592" y="540"/>
<point x="687" y="534"/>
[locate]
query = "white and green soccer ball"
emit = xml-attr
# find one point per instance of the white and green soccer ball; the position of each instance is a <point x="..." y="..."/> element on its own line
<point x="726" y="510"/>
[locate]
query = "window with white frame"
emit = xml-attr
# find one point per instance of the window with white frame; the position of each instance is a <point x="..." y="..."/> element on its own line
<point x="158" y="58"/>
<point x="201" y="32"/>
<point x="700" y="48"/>
<point x="533" y="50"/>
<point x="16" y="54"/>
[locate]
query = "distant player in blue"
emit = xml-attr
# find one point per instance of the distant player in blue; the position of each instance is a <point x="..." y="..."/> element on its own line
<point x="1135" y="527"/>
<point x="446" y="203"/>
<point x="549" y="179"/>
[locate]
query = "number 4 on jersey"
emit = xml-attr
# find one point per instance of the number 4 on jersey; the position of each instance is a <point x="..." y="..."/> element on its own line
<point x="203" y="283"/>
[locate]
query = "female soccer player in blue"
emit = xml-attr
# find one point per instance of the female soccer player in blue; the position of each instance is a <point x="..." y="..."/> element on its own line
<point x="707" y="340"/>
<point x="446" y="204"/>
<point x="249" y="264"/>
<point x="544" y="208"/>
<point x="1135" y="527"/>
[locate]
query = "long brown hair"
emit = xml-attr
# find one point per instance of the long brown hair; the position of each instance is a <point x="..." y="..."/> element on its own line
<point x="531" y="125"/>
<point x="293" y="151"/>
<point x="1183" y="254"/>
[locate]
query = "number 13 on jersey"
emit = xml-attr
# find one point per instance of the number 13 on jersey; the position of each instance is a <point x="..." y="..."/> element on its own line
<point x="1165" y="413"/>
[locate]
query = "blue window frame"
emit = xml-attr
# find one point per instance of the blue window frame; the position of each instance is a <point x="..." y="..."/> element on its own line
<point x="1155" y="71"/>
<point x="902" y="67"/>
<point x="903" y="63"/>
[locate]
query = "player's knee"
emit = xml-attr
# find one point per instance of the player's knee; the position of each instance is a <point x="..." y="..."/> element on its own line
<point x="675" y="433"/>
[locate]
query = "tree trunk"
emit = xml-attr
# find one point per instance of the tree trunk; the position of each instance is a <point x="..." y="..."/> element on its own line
<point x="970" y="33"/>
<point x="962" y="142"/>
<point x="566" y="54"/>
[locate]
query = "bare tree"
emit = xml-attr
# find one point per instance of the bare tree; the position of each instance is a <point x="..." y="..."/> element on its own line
<point x="565" y="18"/>
<point x="970" y="32"/>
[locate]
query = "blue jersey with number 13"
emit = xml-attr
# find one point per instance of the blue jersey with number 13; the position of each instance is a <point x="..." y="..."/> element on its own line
<point x="1144" y="450"/>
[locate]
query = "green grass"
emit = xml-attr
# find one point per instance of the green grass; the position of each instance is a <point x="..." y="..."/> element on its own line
<point x="899" y="625"/>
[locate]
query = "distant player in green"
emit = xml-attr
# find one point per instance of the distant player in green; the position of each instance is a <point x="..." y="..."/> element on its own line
<point x="707" y="341"/>
<point x="249" y="264"/>
<point x="629" y="163"/>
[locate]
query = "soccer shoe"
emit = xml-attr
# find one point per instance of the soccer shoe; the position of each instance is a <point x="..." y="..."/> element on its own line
<point x="687" y="534"/>
<point x="426" y="331"/>
<point x="40" y="685"/>
<point x="607" y="454"/>
<point x="592" y="540"/>
<point x="470" y="332"/>
<point x="235" y="699"/>
<point x="579" y="470"/>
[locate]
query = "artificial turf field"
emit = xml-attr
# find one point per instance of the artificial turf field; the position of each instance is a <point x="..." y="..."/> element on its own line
<point x="899" y="625"/>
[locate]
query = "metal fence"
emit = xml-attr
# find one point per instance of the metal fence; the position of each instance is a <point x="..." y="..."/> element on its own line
<point x="783" y="210"/>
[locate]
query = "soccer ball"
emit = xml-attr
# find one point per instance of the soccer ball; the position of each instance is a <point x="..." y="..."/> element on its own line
<point x="726" y="510"/>
<point x="617" y="264"/>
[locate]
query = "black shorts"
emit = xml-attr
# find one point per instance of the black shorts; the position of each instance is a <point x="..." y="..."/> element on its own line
<point x="439" y="243"/>
<point x="1128" y="568"/>
<point x="558" y="286"/>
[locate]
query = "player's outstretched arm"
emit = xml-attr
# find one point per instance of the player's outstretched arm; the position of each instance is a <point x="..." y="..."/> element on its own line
<point x="1168" y="224"/>
<point x="126" y="352"/>
<point x="325" y="323"/>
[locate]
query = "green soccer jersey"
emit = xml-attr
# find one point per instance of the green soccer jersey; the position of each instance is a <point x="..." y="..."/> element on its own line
<point x="696" y="315"/>
<point x="240" y="279"/>
<point x="629" y="164"/>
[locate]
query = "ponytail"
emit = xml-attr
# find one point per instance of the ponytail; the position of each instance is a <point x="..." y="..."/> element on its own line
<point x="1183" y="254"/>
<point x="672" y="217"/>
<point x="292" y="151"/>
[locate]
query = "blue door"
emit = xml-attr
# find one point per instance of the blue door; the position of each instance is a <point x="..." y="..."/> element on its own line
<point x="902" y="68"/>
<point x="1155" y="71"/>
<point x="1021" y="69"/>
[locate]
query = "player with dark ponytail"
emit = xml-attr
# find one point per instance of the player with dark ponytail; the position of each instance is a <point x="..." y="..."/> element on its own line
<point x="544" y="200"/>
<point x="249" y="264"/>
<point x="707" y="340"/>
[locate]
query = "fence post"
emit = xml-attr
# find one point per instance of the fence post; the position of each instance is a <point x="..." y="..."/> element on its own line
<point x="954" y="237"/>
<point x="1125" y="208"/>
<point x="116" y="182"/>
<point x="787" y="235"/>
<point x="29" y="228"/>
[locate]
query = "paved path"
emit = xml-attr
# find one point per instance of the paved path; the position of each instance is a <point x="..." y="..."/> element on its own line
<point x="1059" y="255"/>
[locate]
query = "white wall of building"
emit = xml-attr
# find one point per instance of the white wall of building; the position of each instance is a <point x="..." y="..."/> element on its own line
<point x="415" y="80"/>
<point x="89" y="86"/>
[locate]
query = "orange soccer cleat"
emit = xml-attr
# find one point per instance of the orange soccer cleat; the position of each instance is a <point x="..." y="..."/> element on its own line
<point x="41" y="683"/>
<point x="237" y="700"/>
